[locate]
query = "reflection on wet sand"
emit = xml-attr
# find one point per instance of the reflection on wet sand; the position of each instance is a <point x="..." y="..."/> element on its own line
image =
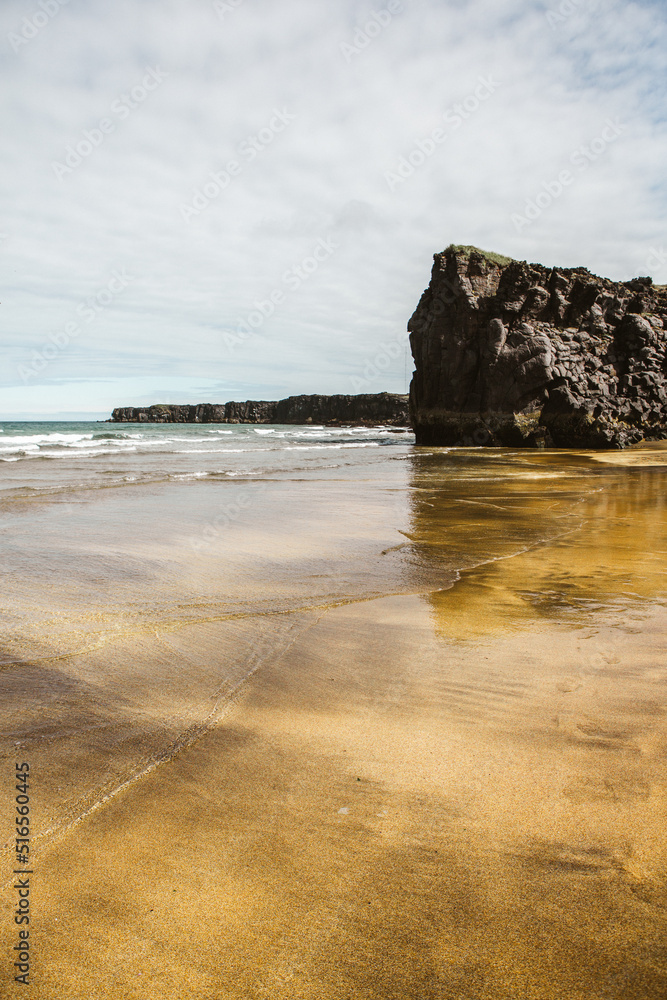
<point x="544" y="543"/>
<point x="434" y="794"/>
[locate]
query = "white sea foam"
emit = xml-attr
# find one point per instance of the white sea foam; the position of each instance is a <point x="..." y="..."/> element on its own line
<point x="223" y="451"/>
<point x="332" y="447"/>
<point x="131" y="454"/>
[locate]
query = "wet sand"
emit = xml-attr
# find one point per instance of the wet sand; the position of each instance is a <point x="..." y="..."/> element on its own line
<point x="432" y="793"/>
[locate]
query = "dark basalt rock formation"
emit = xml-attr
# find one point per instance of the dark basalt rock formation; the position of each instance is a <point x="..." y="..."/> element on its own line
<point x="521" y="355"/>
<point x="365" y="409"/>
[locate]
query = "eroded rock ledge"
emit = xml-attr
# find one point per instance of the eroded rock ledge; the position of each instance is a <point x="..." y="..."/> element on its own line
<point x="364" y="409"/>
<point x="522" y="355"/>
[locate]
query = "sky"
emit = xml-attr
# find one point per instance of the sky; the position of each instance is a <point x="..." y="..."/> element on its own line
<point x="204" y="200"/>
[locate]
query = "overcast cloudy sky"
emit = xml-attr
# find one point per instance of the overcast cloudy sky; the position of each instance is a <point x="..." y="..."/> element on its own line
<point x="351" y="141"/>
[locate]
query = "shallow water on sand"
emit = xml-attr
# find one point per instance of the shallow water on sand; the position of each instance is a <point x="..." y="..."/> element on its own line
<point x="404" y="708"/>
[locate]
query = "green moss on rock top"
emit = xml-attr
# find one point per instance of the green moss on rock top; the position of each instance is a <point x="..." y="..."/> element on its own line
<point x="495" y="258"/>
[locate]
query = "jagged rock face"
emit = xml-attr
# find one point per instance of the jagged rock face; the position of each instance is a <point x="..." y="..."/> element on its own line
<point x="364" y="409"/>
<point x="517" y="354"/>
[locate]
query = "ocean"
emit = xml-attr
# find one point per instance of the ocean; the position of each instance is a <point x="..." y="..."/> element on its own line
<point x="131" y="452"/>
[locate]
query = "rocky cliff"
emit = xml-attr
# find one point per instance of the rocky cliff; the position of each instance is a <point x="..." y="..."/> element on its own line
<point x="516" y="354"/>
<point x="364" y="409"/>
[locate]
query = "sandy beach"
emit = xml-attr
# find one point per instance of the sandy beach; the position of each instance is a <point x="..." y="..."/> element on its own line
<point x="333" y="500"/>
<point x="409" y="745"/>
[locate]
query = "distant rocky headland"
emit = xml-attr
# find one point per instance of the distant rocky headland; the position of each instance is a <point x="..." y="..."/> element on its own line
<point x="517" y="354"/>
<point x="366" y="409"/>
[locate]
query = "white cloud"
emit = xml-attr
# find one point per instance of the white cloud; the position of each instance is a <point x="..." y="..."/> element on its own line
<point x="324" y="174"/>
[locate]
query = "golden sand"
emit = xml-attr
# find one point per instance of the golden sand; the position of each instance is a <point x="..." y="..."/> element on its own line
<point x="442" y="794"/>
